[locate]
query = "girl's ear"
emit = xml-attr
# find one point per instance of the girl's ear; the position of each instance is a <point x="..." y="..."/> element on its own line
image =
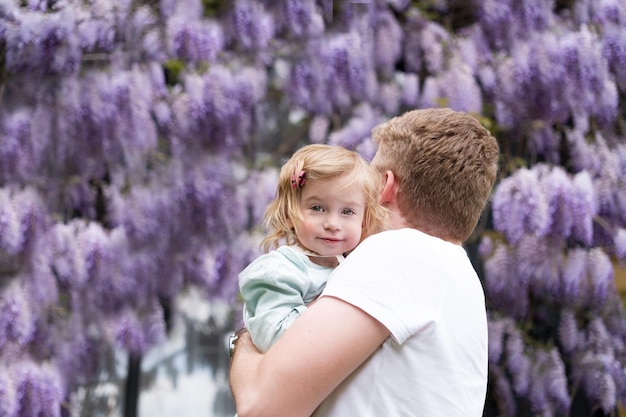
<point x="390" y="188"/>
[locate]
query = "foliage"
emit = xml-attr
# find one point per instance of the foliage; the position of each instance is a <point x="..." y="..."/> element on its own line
<point x="139" y="142"/>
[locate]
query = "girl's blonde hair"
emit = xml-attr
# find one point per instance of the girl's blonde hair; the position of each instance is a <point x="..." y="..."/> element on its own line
<point x="321" y="163"/>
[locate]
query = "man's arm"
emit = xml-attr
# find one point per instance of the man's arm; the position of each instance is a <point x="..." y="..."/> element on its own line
<point x="320" y="349"/>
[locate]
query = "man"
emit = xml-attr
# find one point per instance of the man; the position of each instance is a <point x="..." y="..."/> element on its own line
<point x="401" y="327"/>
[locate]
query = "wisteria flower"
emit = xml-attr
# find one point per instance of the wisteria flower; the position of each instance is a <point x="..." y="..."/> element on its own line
<point x="520" y="207"/>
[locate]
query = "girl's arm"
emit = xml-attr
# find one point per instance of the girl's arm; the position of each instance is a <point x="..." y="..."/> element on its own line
<point x="271" y="305"/>
<point x="322" y="348"/>
<point x="273" y="290"/>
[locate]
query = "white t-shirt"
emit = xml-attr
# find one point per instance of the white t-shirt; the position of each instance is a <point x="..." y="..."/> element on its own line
<point x="427" y="294"/>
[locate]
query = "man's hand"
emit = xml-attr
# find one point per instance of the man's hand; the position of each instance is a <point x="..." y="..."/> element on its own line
<point x="243" y="342"/>
<point x="233" y="339"/>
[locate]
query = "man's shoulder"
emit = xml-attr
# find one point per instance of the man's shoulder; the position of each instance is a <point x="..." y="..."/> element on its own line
<point x="400" y="244"/>
<point x="395" y="237"/>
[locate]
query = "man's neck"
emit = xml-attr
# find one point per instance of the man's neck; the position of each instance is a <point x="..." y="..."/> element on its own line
<point x="396" y="221"/>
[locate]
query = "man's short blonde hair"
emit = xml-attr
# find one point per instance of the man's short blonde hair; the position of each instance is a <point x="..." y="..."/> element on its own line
<point x="322" y="163"/>
<point x="446" y="164"/>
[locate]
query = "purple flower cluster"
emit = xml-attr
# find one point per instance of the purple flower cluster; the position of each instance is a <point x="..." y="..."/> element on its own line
<point x="302" y="18"/>
<point x="549" y="272"/>
<point x="518" y="277"/>
<point x="604" y="158"/>
<point x="546" y="201"/>
<point x="535" y="373"/>
<point x="219" y="111"/>
<point x="39" y="389"/>
<point x="195" y="41"/>
<point x="552" y="75"/>
<point x="42" y="42"/>
<point x="251" y="27"/>
<point x="335" y="73"/>
<point x="356" y="130"/>
<point x="27" y="389"/>
<point x="137" y="331"/>
<point x="519" y="369"/>
<point x="140" y="143"/>
<point x="456" y="88"/>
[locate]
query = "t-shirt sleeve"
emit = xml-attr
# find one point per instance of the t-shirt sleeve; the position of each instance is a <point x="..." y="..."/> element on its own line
<point x="272" y="292"/>
<point x="390" y="283"/>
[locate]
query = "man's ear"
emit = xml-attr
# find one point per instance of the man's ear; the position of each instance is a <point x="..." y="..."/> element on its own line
<point x="389" y="188"/>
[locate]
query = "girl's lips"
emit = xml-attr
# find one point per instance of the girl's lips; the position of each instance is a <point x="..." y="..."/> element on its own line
<point x="330" y="240"/>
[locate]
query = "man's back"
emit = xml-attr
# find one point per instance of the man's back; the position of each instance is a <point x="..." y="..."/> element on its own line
<point x="425" y="291"/>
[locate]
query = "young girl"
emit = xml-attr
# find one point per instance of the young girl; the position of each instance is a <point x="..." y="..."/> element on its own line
<point x="326" y="203"/>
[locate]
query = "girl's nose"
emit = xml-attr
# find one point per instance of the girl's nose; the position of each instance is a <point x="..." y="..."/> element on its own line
<point x="332" y="223"/>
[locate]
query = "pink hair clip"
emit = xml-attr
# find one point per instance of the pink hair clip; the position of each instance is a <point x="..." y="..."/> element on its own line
<point x="298" y="181"/>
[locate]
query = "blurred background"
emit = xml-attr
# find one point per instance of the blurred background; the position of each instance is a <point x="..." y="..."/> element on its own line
<point x="139" y="146"/>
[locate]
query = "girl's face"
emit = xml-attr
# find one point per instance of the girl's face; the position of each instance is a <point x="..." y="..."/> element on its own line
<point x="332" y="217"/>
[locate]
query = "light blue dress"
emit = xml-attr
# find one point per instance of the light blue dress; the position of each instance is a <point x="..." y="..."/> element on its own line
<point x="276" y="288"/>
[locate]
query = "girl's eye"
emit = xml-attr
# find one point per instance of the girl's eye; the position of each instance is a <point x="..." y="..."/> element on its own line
<point x="348" y="212"/>
<point x="317" y="208"/>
